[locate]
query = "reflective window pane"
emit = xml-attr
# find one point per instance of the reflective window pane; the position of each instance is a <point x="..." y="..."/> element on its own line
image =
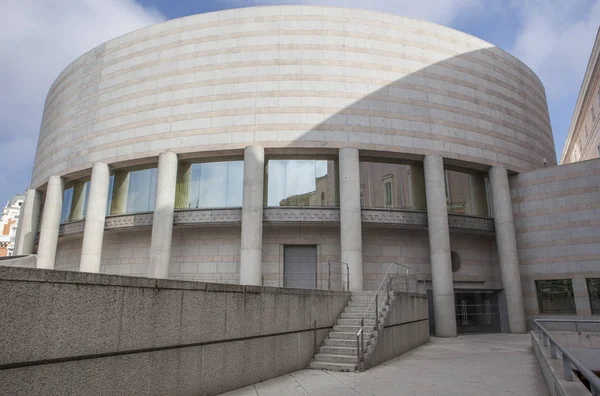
<point x="593" y="285"/>
<point x="302" y="183"/>
<point x="210" y="185"/>
<point x="142" y="191"/>
<point x="466" y="193"/>
<point x="388" y="185"/>
<point x="111" y="185"/>
<point x="555" y="296"/>
<point x="66" y="205"/>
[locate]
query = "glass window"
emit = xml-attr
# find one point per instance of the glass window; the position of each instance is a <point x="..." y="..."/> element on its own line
<point x="593" y="286"/>
<point x="466" y="193"/>
<point x="302" y="183"/>
<point x="210" y="185"/>
<point x="66" y="205"/>
<point x="389" y="185"/>
<point x="111" y="185"/>
<point x="555" y="296"/>
<point x="142" y="191"/>
<point x="388" y="196"/>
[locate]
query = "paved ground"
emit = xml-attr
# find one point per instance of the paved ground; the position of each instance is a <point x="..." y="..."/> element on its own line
<point x="474" y="365"/>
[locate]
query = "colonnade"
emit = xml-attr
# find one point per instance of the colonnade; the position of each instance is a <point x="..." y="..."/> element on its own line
<point x="252" y="227"/>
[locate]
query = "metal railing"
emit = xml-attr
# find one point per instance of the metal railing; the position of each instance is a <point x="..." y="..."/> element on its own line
<point x="332" y="275"/>
<point x="569" y="360"/>
<point x="397" y="277"/>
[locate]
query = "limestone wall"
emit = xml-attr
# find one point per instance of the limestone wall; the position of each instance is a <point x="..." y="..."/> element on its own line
<point x="557" y="220"/>
<point x="75" y="333"/>
<point x="293" y="77"/>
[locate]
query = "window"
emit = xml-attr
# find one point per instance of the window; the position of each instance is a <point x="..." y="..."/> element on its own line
<point x="388" y="195"/>
<point x="593" y="114"/>
<point x="392" y="185"/>
<point x="301" y="183"/>
<point x="593" y="286"/>
<point x="466" y="193"/>
<point x="362" y="195"/>
<point x="586" y="130"/>
<point x="142" y="191"/>
<point x="555" y="296"/>
<point x="210" y="185"/>
<point x="66" y="205"/>
<point x="132" y="191"/>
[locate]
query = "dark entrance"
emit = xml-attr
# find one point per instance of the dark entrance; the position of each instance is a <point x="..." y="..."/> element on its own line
<point x="477" y="311"/>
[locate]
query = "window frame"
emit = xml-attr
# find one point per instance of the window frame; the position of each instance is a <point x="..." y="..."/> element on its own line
<point x="388" y="180"/>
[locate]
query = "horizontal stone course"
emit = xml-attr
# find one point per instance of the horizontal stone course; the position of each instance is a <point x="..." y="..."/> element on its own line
<point x="214" y="81"/>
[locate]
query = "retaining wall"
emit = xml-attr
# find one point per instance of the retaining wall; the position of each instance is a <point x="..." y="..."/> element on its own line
<point x="70" y="333"/>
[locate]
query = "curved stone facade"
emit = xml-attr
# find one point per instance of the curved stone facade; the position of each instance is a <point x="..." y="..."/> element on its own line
<point x="405" y="130"/>
<point x="294" y="77"/>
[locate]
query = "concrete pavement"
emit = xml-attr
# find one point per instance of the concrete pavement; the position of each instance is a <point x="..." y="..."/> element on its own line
<point x="473" y="365"/>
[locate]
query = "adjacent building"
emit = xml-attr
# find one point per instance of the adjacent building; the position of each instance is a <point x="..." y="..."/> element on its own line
<point x="9" y="221"/>
<point x="583" y="140"/>
<point x="309" y="146"/>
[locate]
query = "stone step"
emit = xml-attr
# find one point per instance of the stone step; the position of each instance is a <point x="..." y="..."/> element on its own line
<point x="347" y="359"/>
<point x="355" y="322"/>
<point x="336" y="335"/>
<point x="365" y="304"/>
<point x="332" y="366"/>
<point x="338" y="350"/>
<point x="362" y="310"/>
<point x="352" y="328"/>
<point x="359" y="315"/>
<point x="341" y="342"/>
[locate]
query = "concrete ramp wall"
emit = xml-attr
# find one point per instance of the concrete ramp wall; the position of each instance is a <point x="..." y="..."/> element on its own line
<point x="406" y="327"/>
<point x="71" y="333"/>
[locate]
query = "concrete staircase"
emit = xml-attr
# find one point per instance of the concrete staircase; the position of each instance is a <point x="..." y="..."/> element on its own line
<point x="338" y="352"/>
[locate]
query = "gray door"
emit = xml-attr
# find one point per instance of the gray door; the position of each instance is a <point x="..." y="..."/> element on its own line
<point x="300" y="266"/>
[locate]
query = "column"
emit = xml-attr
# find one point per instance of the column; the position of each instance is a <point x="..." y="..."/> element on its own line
<point x="93" y="232"/>
<point x="28" y="222"/>
<point x="350" y="216"/>
<point x="252" y="216"/>
<point x="164" y="208"/>
<point x="50" y="222"/>
<point x="507" y="248"/>
<point x="439" y="247"/>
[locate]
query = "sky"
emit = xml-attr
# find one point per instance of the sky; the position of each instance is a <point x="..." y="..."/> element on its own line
<point x="39" y="38"/>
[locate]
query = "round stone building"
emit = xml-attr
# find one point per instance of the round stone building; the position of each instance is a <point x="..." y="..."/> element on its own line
<point x="277" y="146"/>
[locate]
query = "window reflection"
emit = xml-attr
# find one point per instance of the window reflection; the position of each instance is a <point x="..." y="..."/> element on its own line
<point x="210" y="185"/>
<point x="389" y="185"/>
<point x="466" y="193"/>
<point x="555" y="296"/>
<point x="593" y="285"/>
<point x="66" y="205"/>
<point x="142" y="191"/>
<point x="302" y="183"/>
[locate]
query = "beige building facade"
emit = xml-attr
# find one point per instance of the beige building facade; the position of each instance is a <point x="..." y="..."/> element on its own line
<point x="295" y="146"/>
<point x="583" y="140"/>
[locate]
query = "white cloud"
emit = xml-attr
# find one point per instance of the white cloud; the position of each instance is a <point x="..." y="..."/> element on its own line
<point x="439" y="11"/>
<point x="39" y="38"/>
<point x="556" y="39"/>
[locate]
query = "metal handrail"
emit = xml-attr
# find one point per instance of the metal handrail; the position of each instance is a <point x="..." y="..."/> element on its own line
<point x="568" y="358"/>
<point x="385" y="281"/>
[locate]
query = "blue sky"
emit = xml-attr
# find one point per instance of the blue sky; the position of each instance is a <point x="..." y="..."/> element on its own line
<point x="38" y="38"/>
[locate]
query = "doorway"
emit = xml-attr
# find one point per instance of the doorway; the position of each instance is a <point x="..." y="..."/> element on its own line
<point x="477" y="311"/>
<point x="300" y="266"/>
